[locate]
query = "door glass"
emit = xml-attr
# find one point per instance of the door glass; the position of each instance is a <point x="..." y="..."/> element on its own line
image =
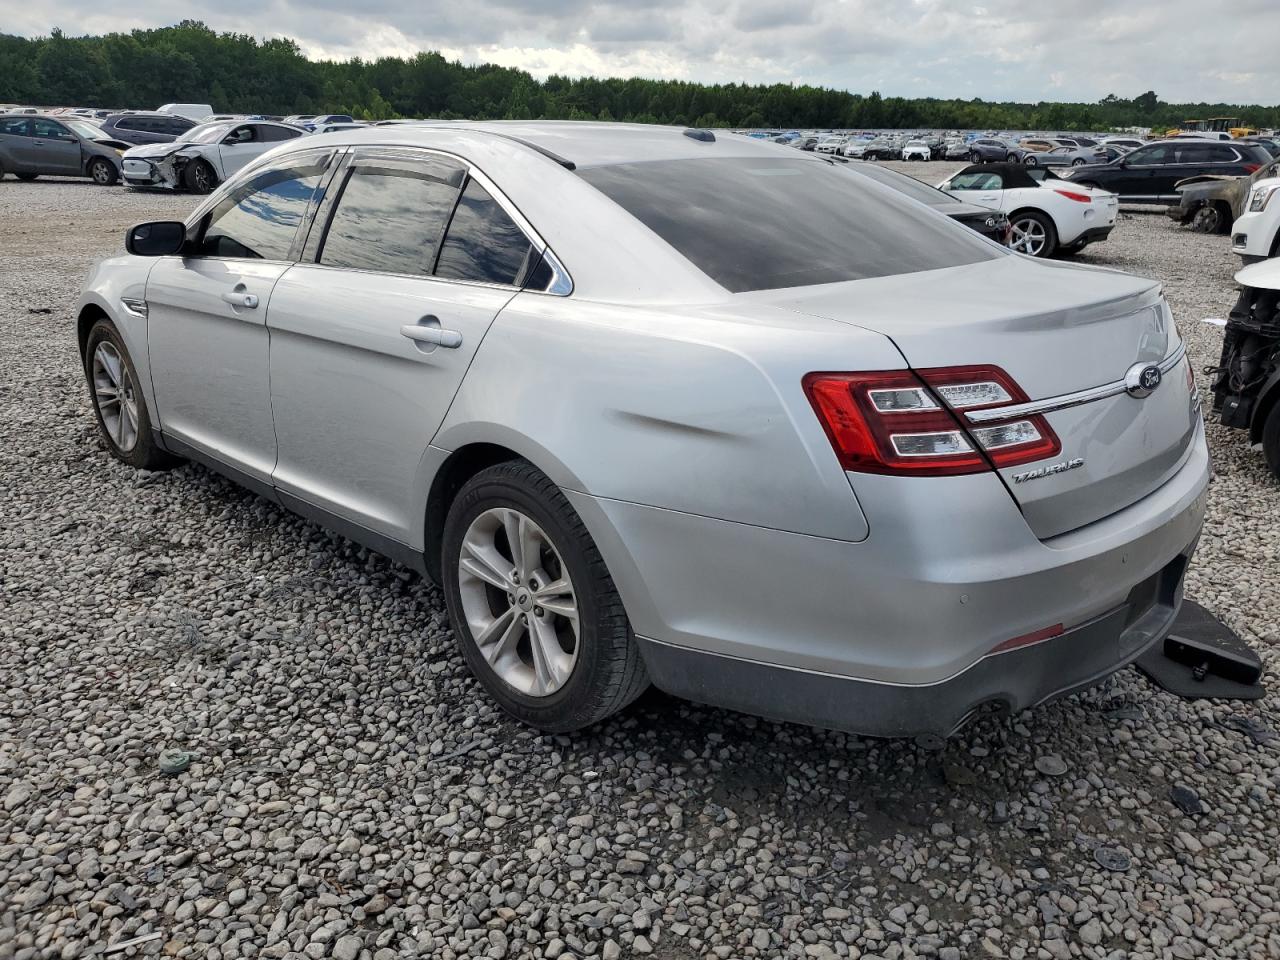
<point x="483" y="243"/>
<point x="14" y="127"/>
<point x="239" y="135"/>
<point x="259" y="219"/>
<point x="1160" y="153"/>
<point x="390" y="216"/>
<point x="50" y="130"/>
<point x="976" y="181"/>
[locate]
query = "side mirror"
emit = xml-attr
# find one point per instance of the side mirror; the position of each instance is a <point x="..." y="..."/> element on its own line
<point x="162" y="238"/>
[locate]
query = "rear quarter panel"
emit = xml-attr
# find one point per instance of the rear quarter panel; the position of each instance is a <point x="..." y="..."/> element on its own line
<point x="699" y="411"/>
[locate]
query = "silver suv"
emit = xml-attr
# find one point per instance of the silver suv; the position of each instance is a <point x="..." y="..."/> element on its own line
<point x="600" y="383"/>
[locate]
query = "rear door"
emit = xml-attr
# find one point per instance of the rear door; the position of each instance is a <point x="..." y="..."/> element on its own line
<point x="207" y="330"/>
<point x="16" y="149"/>
<point x="371" y="336"/>
<point x="55" y="149"/>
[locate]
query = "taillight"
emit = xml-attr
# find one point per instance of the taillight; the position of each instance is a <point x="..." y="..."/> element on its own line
<point x="906" y="422"/>
<point x="1252" y="167"/>
<point x="1072" y="195"/>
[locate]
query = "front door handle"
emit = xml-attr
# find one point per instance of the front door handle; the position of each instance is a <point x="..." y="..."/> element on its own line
<point x="237" y="299"/>
<point x="433" y="334"/>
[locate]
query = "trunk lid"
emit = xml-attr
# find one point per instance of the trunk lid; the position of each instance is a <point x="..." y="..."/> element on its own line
<point x="1056" y="329"/>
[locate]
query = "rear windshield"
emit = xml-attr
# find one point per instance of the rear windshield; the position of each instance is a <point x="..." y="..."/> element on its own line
<point x="903" y="184"/>
<point x="763" y="224"/>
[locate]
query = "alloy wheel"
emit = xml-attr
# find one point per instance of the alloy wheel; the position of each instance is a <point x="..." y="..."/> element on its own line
<point x="113" y="390"/>
<point x="202" y="178"/>
<point x="519" y="601"/>
<point x="101" y="172"/>
<point x="1027" y="236"/>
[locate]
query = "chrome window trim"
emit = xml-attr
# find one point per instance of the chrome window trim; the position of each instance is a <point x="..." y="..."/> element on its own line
<point x="1066" y="400"/>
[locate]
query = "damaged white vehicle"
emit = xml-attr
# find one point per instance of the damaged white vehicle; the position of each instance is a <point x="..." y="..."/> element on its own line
<point x="204" y="156"/>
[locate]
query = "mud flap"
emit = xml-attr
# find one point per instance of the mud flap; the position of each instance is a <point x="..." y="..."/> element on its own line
<point x="1203" y="659"/>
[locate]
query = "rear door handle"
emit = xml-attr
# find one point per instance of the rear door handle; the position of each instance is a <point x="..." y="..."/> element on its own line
<point x="237" y="299"/>
<point x="434" y="334"/>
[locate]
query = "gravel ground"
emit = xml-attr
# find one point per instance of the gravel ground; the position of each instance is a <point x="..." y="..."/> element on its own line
<point x="352" y="793"/>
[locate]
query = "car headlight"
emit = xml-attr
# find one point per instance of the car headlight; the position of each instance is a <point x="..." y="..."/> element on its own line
<point x="1261" y="196"/>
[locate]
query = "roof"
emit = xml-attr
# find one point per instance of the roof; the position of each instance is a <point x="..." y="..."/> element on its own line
<point x="1014" y="175"/>
<point x="588" y="144"/>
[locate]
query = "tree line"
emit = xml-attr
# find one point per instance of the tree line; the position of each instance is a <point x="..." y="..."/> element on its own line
<point x="238" y="73"/>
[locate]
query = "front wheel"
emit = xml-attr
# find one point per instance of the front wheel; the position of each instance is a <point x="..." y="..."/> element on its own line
<point x="103" y="172"/>
<point x="535" y="612"/>
<point x="1208" y="218"/>
<point x="123" y="419"/>
<point x="1030" y="160"/>
<point x="1271" y="440"/>
<point x="199" y="177"/>
<point x="1033" y="233"/>
<point x="975" y="157"/>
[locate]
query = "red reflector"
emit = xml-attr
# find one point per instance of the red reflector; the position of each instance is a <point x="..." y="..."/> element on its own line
<point x="1072" y="195"/>
<point x="1028" y="639"/>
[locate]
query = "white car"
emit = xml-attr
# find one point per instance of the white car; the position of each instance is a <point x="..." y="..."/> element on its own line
<point x="1047" y="215"/>
<point x="916" y="150"/>
<point x="204" y="156"/>
<point x="1256" y="232"/>
<point x="830" y="144"/>
<point x="855" y="148"/>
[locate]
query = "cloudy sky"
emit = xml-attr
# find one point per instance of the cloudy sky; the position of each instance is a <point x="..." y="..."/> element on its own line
<point x="1186" y="50"/>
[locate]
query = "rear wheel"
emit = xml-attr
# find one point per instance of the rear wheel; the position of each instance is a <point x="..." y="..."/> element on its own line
<point x="123" y="419"/>
<point x="535" y="613"/>
<point x="1078" y="162"/>
<point x="103" y="172"/>
<point x="199" y="177"/>
<point x="1033" y="233"/>
<point x="26" y="176"/>
<point x="1271" y="440"/>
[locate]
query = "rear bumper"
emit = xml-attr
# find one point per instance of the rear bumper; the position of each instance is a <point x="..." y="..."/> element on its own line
<point x="1015" y="680"/>
<point x="1094" y="234"/>
<point x="894" y="634"/>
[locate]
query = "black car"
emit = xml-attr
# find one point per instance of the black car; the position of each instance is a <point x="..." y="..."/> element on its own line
<point x="144" y="127"/>
<point x="990" y="223"/>
<point x="1149" y="173"/>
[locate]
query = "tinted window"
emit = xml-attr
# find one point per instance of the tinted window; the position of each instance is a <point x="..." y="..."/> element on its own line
<point x="277" y="133"/>
<point x="14" y="127"/>
<point x="903" y="184"/>
<point x="1221" y="154"/>
<point x="761" y="224"/>
<point x="259" y="218"/>
<point x="176" y="125"/>
<point x="49" y="129"/>
<point x="390" y="216"/>
<point x="126" y="123"/>
<point x="483" y="243"/>
<point x="1156" y="153"/>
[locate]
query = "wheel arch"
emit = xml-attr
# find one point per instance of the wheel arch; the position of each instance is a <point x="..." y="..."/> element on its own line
<point x="89" y="314"/>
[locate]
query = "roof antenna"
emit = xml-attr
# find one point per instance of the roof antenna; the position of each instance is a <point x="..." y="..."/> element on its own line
<point x="704" y="136"/>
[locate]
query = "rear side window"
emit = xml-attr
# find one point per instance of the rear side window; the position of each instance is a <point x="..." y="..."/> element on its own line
<point x="177" y="125"/>
<point x="1222" y="155"/>
<point x="259" y="219"/>
<point x="483" y="243"/>
<point x="277" y="133"/>
<point x="14" y="127"/>
<point x="763" y="224"/>
<point x="391" y="215"/>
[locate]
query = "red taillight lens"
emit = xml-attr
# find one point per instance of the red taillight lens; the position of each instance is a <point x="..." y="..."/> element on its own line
<point x="1072" y="195"/>
<point x="910" y="422"/>
<point x="1252" y="167"/>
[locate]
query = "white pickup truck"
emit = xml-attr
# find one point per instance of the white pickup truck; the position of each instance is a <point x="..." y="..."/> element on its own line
<point x="1256" y="233"/>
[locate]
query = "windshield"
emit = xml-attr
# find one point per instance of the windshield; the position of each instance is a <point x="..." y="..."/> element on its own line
<point x="205" y="132"/>
<point x="764" y="223"/>
<point x="84" y="129"/>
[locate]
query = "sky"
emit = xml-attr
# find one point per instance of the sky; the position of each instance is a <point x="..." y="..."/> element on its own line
<point x="1185" y="50"/>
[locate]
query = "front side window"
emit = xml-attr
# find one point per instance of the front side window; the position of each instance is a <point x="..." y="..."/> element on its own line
<point x="259" y="219"/>
<point x="762" y="224"/>
<point x="1157" y="153"/>
<point x="391" y="215"/>
<point x="50" y="130"/>
<point x="977" y="181"/>
<point x="242" y="134"/>
<point x="483" y="243"/>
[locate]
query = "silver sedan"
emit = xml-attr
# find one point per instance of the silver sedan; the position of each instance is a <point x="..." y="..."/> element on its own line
<point x="601" y="384"/>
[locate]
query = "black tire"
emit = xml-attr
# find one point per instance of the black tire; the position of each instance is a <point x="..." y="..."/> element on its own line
<point x="1030" y="160"/>
<point x="975" y="157"/>
<point x="1050" y="231"/>
<point x="198" y="177"/>
<point x="1079" y="162"/>
<point x="1210" y="218"/>
<point x="144" y="453"/>
<point x="608" y="672"/>
<point x="103" y="172"/>
<point x="1271" y="440"/>
<point x="28" y="177"/>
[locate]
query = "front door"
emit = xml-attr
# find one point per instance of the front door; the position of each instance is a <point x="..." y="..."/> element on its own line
<point x="370" y="339"/>
<point x="1140" y="169"/>
<point x="207" y="326"/>
<point x="982" y="187"/>
<point x="55" y="148"/>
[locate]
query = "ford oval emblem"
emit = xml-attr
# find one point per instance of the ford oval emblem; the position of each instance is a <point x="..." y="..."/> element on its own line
<point x="1142" y="379"/>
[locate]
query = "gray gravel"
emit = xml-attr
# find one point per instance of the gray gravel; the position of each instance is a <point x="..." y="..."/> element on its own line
<point x="352" y="794"/>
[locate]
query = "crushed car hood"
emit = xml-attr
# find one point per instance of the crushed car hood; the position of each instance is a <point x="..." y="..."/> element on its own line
<point x="154" y="151"/>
